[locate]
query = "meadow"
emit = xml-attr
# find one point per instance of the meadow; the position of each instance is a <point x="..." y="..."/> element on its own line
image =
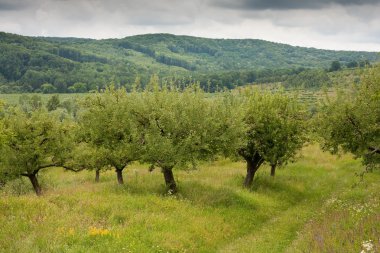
<point x="317" y="204"/>
<point x="14" y="99"/>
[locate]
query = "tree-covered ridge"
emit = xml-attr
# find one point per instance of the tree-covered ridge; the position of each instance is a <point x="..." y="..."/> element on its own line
<point x="79" y="65"/>
<point x="233" y="54"/>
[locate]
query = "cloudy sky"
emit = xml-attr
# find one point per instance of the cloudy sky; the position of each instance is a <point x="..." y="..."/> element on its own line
<point x="331" y="24"/>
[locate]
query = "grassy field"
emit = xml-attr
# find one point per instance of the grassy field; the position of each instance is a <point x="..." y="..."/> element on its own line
<point x="14" y="98"/>
<point x="314" y="205"/>
<point x="309" y="97"/>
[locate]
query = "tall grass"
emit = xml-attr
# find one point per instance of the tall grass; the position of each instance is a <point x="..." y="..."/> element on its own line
<point x="311" y="199"/>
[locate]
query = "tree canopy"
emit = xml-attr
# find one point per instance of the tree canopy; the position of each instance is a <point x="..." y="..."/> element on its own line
<point x="275" y="130"/>
<point x="35" y="140"/>
<point x="181" y="128"/>
<point x="106" y="126"/>
<point x="350" y="121"/>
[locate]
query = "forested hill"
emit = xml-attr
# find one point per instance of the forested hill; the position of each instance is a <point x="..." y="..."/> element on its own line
<point x="79" y="65"/>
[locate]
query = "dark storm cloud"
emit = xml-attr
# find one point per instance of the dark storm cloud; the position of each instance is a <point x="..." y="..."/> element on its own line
<point x="13" y="5"/>
<point x="287" y="4"/>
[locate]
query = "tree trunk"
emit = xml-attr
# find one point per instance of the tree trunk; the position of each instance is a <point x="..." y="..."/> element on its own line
<point x="119" y="174"/>
<point x="251" y="170"/>
<point x="253" y="164"/>
<point x="97" y="175"/>
<point x="36" y="185"/>
<point x="272" y="169"/>
<point x="169" y="179"/>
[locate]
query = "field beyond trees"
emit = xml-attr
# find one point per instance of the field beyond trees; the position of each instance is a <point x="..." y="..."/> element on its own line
<point x="316" y="204"/>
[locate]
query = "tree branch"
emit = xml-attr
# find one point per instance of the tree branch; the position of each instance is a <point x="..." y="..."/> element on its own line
<point x="353" y="123"/>
<point x="374" y="150"/>
<point x="159" y="127"/>
<point x="43" y="141"/>
<point x="58" y="165"/>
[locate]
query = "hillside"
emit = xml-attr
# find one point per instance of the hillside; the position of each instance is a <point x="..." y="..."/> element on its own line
<point x="29" y="64"/>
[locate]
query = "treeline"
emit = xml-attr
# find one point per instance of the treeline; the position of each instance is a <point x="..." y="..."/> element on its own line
<point x="170" y="128"/>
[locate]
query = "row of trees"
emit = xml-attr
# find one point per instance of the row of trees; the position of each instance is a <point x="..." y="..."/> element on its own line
<point x="163" y="127"/>
<point x="171" y="129"/>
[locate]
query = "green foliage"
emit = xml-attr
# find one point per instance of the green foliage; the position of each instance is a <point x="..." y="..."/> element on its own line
<point x="30" y="103"/>
<point x="78" y="88"/>
<point x="27" y="64"/>
<point x="277" y="126"/>
<point x="85" y="156"/>
<point x="175" y="127"/>
<point x="3" y="142"/>
<point x="53" y="103"/>
<point x="226" y="125"/>
<point x="106" y="126"/>
<point x="48" y="88"/>
<point x="181" y="128"/>
<point x="276" y="129"/>
<point x="352" y="64"/>
<point x="351" y="120"/>
<point x="35" y="140"/>
<point x="311" y="78"/>
<point x="335" y="66"/>
<point x="71" y="105"/>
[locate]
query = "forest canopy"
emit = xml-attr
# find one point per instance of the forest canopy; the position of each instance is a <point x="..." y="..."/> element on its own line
<point x="70" y="65"/>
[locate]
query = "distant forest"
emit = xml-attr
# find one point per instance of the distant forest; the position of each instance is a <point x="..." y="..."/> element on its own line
<point x="64" y="65"/>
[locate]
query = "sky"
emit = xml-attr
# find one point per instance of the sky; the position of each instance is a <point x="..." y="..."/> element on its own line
<point x="327" y="24"/>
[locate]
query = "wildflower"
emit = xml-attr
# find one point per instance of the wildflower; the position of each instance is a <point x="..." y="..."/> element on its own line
<point x="93" y="231"/>
<point x="71" y="231"/>
<point x="367" y="245"/>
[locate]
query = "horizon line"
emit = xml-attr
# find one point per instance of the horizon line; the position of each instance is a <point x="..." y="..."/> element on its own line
<point x="184" y="35"/>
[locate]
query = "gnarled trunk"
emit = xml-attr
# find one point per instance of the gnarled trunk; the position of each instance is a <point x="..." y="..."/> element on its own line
<point x="169" y="179"/>
<point x="119" y="173"/>
<point x="251" y="170"/>
<point x="97" y="175"/>
<point x="36" y="186"/>
<point x="253" y="164"/>
<point x="272" y="169"/>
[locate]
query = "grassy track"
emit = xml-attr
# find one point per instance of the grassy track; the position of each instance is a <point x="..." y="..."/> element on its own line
<point x="314" y="205"/>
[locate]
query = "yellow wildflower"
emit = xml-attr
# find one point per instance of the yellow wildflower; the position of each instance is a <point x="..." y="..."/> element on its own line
<point x="93" y="231"/>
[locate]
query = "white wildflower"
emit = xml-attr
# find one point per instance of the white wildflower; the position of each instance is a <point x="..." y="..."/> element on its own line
<point x="367" y="245"/>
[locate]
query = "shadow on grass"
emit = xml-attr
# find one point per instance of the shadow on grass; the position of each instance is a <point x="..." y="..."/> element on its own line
<point x="280" y="189"/>
<point x="205" y="195"/>
<point x="196" y="193"/>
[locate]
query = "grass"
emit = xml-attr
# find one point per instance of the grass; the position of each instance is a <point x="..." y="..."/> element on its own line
<point x="13" y="99"/>
<point x="310" y="206"/>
